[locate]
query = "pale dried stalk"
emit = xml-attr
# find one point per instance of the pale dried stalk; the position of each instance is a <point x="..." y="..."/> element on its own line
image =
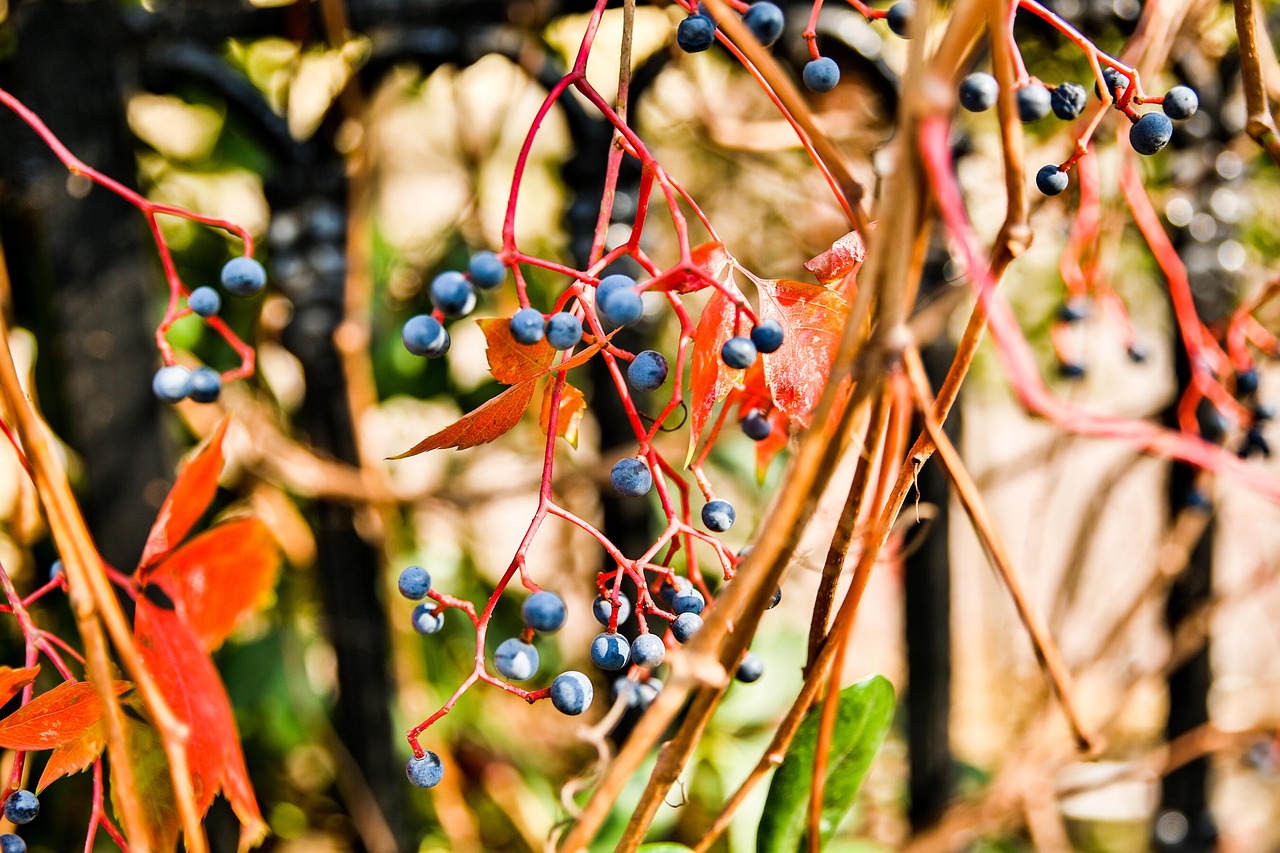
<point x="1261" y="126"/>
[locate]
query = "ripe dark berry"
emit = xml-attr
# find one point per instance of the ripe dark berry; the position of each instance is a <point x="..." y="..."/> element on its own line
<point x="750" y="669"/>
<point x="171" y="384"/>
<point x="1033" y="103"/>
<point x="620" y="306"/>
<point x="688" y="601"/>
<point x="631" y="477"/>
<point x="756" y="425"/>
<point x="668" y="591"/>
<point x="453" y="294"/>
<point x="426" y="620"/>
<point x="648" y="371"/>
<point x="486" y="270"/>
<point x="1137" y="353"/>
<point x="602" y="609"/>
<point x="776" y="598"/>
<point x="648" y="650"/>
<point x="1074" y="310"/>
<point x="1180" y="103"/>
<point x="821" y="74"/>
<point x="610" y="283"/>
<point x="1115" y="80"/>
<point x="1071" y="370"/>
<point x="1051" y="180"/>
<point x="527" y="326"/>
<point x="979" y="92"/>
<point x="1198" y="501"/>
<point x="414" y="583"/>
<point x="424" y="335"/>
<point x="718" y="515"/>
<point x="695" y="33"/>
<point x="1246" y="381"/>
<point x="544" y="612"/>
<point x="610" y="651"/>
<point x="899" y="17"/>
<point x="206" y="385"/>
<point x="685" y="626"/>
<point x="1068" y="101"/>
<point x="765" y="21"/>
<point x="738" y="353"/>
<point x="648" y="691"/>
<point x="767" y="336"/>
<point x="1151" y="133"/>
<point x="425" y="772"/>
<point x="516" y="660"/>
<point x="564" y="330"/>
<point x="21" y="807"/>
<point x="243" y="277"/>
<point x="571" y="693"/>
<point x="204" y="301"/>
<point x="626" y="688"/>
<point x="10" y="843"/>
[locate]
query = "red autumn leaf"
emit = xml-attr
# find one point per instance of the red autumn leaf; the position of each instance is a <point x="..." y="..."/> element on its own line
<point x="481" y="426"/>
<point x="812" y="319"/>
<point x="573" y="405"/>
<point x="188" y="499"/>
<point x="74" y="755"/>
<point x="54" y="718"/>
<point x="184" y="674"/>
<point x="842" y="258"/>
<point x="754" y="392"/>
<point x="511" y="362"/>
<point x="219" y="576"/>
<point x="12" y="680"/>
<point x="161" y="820"/>
<point x="709" y="262"/>
<point x="710" y="379"/>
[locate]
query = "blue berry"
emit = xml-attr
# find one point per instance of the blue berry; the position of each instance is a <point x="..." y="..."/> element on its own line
<point x="55" y="569"/>
<point x="899" y="17"/>
<point x="425" y="772"/>
<point x="1074" y="310"/>
<point x="695" y="33"/>
<point x="756" y="425"/>
<point x="486" y="270"/>
<point x="738" y="353"/>
<point x="668" y="591"/>
<point x="424" y="335"/>
<point x="602" y="609"/>
<point x="564" y="330"/>
<point x="1115" y="80"/>
<point x="204" y="301"/>
<point x="1051" y="180"/>
<point x="414" y="583"/>
<point x="453" y="295"/>
<point x="767" y="336"/>
<point x="1151" y="133"/>
<point x="648" y="650"/>
<point x="243" y="277"/>
<point x="1071" y="370"/>
<point x="516" y="660"/>
<point x="821" y="74"/>
<point x="21" y="807"/>
<point x="527" y="326"/>
<point x="610" y="651"/>
<point x="1180" y="103"/>
<point x="1033" y="103"/>
<point x="765" y="21"/>
<point x="620" y="306"/>
<point x="171" y="384"/>
<point x="1246" y="381"/>
<point x="206" y="385"/>
<point x="648" y="691"/>
<point x="627" y="689"/>
<point x="571" y="693"/>
<point x="1068" y="101"/>
<point x="688" y="601"/>
<point x="979" y="92"/>
<point x="718" y="515"/>
<point x="750" y="669"/>
<point x="1199" y="501"/>
<point x="685" y="626"/>
<point x="648" y="371"/>
<point x="544" y="612"/>
<point x="610" y="283"/>
<point x="10" y="843"/>
<point x="776" y="598"/>
<point x="426" y="619"/>
<point x="631" y="477"/>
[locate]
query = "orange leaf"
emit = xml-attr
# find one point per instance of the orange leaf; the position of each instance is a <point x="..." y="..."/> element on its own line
<point x="510" y="362"/>
<point x="812" y="319"/>
<point x="709" y="262"/>
<point x="844" y="256"/>
<point x="160" y="817"/>
<point x="173" y="656"/>
<point x="481" y="426"/>
<point x="219" y="576"/>
<point x="710" y="379"/>
<point x="56" y="717"/>
<point x="188" y="499"/>
<point x="573" y="405"/>
<point x="74" y="755"/>
<point x="12" y="680"/>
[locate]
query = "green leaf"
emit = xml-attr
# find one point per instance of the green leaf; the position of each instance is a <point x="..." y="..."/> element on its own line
<point x="664" y="847"/>
<point x="863" y="715"/>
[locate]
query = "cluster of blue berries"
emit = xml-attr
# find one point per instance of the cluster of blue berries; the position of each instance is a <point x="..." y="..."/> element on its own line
<point x="20" y="808"/>
<point x="241" y="276"/>
<point x="453" y="294"/>
<point x="697" y="32"/>
<point x="822" y="74"/>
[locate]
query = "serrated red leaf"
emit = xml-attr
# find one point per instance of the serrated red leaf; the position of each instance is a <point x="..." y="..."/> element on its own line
<point x="161" y="819"/>
<point x="219" y="576"/>
<point x="74" y="755"/>
<point x="844" y="257"/>
<point x="709" y="263"/>
<point x="710" y="379"/>
<point x="812" y="319"/>
<point x="573" y="405"/>
<point x="481" y="426"/>
<point x="188" y="499"/>
<point x="184" y="674"/>
<point x="55" y="717"/>
<point x="509" y="362"/>
<point x="12" y="680"/>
